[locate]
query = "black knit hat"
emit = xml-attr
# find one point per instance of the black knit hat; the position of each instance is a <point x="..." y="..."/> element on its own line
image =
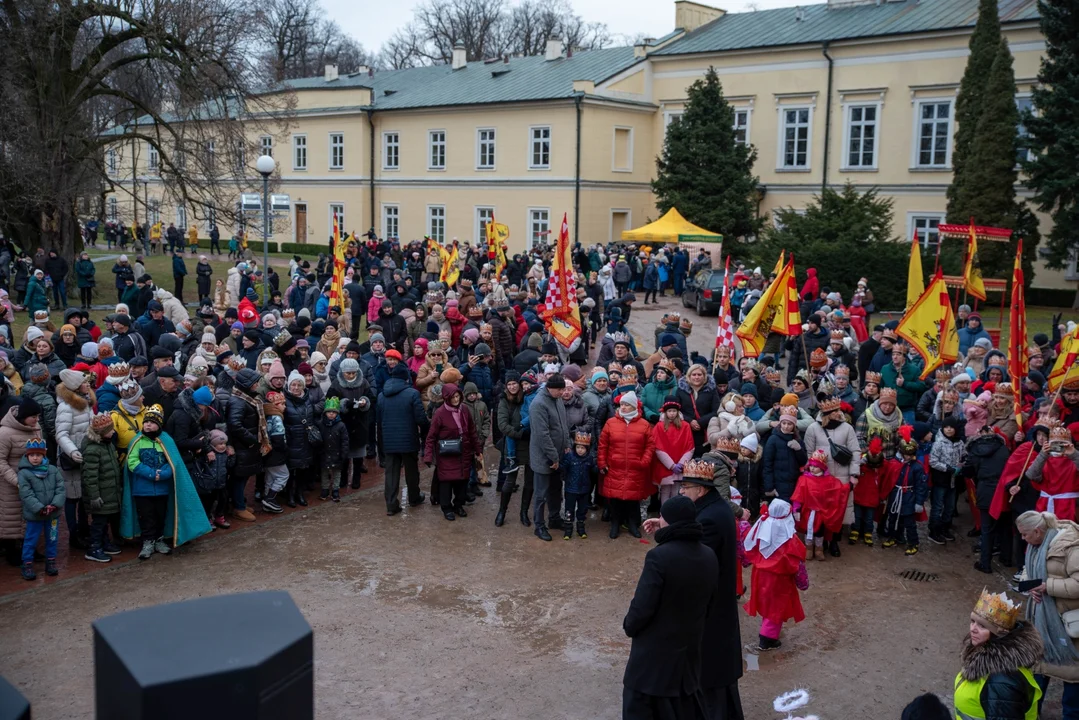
<point x="27" y="407"/>
<point x="678" y="509"/>
<point x="556" y="382"/>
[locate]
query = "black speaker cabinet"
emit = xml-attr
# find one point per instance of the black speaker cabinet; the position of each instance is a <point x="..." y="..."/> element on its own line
<point x="246" y="656"/>
<point x="13" y="706"/>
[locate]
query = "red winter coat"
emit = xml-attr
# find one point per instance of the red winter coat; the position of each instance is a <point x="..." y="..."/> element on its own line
<point x="625" y="450"/>
<point x="452" y="467"/>
<point x="871" y="480"/>
<point x="825" y="496"/>
<point x="773" y="593"/>
<point x="457" y="325"/>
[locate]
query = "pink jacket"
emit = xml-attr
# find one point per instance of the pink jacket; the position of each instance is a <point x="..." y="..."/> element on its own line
<point x="373" y="307"/>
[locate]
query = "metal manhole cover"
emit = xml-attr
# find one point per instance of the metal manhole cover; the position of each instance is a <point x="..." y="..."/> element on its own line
<point x="918" y="576"/>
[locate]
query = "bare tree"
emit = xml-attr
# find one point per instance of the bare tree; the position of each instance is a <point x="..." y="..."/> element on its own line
<point x="534" y="22"/>
<point x="478" y="24"/>
<point x="83" y="79"/>
<point x="296" y="41"/>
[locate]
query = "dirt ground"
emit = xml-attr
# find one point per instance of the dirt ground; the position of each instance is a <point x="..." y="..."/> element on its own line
<point x="417" y="617"/>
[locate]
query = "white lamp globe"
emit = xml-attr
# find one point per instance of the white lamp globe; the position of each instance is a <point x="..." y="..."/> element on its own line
<point x="265" y="164"/>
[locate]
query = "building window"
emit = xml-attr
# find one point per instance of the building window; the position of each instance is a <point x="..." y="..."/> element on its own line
<point x="111" y="161"/>
<point x="391" y="218"/>
<point x="669" y="117"/>
<point x="862" y="136"/>
<point x="153" y="159"/>
<point x="926" y="226"/>
<point x="539" y="158"/>
<point x="795" y="137"/>
<point x="539" y="225"/>
<point x="741" y="127"/>
<point x="436" y="223"/>
<point x="1023" y="153"/>
<point x="485" y="149"/>
<point x="113" y="209"/>
<point x="181" y="217"/>
<point x="266" y="145"/>
<point x="338" y="209"/>
<point x="154" y="211"/>
<point x="934" y="134"/>
<point x="211" y="217"/>
<point x="622" y="157"/>
<point x="484" y="215"/>
<point x="391" y="151"/>
<point x="241" y="157"/>
<point x="337" y="151"/>
<point x="299" y="152"/>
<point x="436" y="158"/>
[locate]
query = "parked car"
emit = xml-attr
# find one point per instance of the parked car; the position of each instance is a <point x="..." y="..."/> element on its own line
<point x="704" y="291"/>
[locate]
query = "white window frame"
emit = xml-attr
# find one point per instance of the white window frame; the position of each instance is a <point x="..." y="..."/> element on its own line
<point x="1021" y="130"/>
<point x="153" y="210"/>
<point x="386" y="145"/>
<point x="340" y="215"/>
<point x="481" y="143"/>
<point x="748" y="110"/>
<point x="111" y="161"/>
<point x="776" y="224"/>
<point x="532" y="140"/>
<point x="386" y="216"/>
<point x="153" y="158"/>
<point x="114" y="209"/>
<point x="913" y="218"/>
<point x="848" y="124"/>
<point x="614" y="149"/>
<point x="297" y="145"/>
<point x="440" y="238"/>
<point x="211" y="154"/>
<point x="337" y="163"/>
<point x="181" y="219"/>
<point x="670" y="116"/>
<point x="532" y="238"/>
<point x="479" y="229"/>
<point x="916" y="141"/>
<point x="433" y="142"/>
<point x="610" y="222"/>
<point x="266" y="145"/>
<point x="781" y="154"/>
<point x="211" y="218"/>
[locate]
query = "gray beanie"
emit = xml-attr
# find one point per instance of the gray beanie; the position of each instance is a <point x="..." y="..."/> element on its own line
<point x="349" y="365"/>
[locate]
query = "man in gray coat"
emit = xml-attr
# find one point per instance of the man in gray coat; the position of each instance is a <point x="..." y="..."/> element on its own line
<point x="549" y="442"/>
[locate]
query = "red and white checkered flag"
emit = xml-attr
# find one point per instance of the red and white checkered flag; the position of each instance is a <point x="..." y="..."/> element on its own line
<point x="725" y="329"/>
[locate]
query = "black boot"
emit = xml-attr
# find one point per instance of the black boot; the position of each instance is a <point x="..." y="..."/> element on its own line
<point x="526" y="503"/>
<point x="580" y="530"/>
<point x="542" y="534"/>
<point x="503" y="505"/>
<point x="290" y="493"/>
<point x="833" y="548"/>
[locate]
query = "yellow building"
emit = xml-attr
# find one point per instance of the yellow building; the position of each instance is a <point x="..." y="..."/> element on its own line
<point x="849" y="90"/>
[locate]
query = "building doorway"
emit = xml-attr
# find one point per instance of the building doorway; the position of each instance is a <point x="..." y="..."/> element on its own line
<point x="301" y="223"/>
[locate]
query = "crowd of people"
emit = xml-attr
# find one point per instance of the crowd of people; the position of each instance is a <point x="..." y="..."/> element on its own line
<point x="168" y="421"/>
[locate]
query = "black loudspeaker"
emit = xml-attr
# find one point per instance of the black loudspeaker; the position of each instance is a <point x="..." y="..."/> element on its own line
<point x="13" y="706"/>
<point x="244" y="656"/>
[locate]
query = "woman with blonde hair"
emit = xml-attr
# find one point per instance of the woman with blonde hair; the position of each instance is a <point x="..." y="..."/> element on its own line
<point x="1053" y="557"/>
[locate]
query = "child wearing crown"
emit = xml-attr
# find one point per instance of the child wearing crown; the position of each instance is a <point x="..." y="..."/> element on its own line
<point x="819" y="502"/>
<point x="576" y="468"/>
<point x="999" y="653"/>
<point x="1055" y="474"/>
<point x="779" y="572"/>
<point x="674" y="446"/>
<point x="905" y="492"/>
<point x="877" y="471"/>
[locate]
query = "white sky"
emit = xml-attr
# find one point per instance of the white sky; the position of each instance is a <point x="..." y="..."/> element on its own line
<point x="373" y="21"/>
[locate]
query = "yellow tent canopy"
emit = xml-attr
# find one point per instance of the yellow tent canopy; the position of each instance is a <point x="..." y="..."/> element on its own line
<point x="671" y="228"/>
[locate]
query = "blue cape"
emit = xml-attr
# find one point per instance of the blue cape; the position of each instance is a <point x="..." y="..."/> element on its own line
<point x="182" y="526"/>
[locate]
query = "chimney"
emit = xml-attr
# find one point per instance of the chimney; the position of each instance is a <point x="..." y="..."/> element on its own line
<point x="689" y="15"/>
<point x="460" y="58"/>
<point x="331" y="73"/>
<point x="362" y="70"/>
<point x="554" y="48"/>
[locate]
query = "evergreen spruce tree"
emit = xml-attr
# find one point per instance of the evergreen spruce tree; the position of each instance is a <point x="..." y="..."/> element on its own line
<point x="984" y="42"/>
<point x="703" y="172"/>
<point x="1053" y="127"/>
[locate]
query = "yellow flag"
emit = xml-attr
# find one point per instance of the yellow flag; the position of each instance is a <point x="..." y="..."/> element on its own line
<point x="337" y="283"/>
<point x="779" y="265"/>
<point x="789" y="319"/>
<point x="972" y="273"/>
<point x="929" y="327"/>
<point x="451" y="268"/>
<point x="754" y="331"/>
<point x="915" y="281"/>
<point x="1066" y="367"/>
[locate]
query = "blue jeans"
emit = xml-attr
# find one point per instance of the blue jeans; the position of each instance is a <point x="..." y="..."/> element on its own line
<point x="863" y="519"/>
<point x="50" y="528"/>
<point x="1070" y="700"/>
<point x="942" y="505"/>
<point x="59" y="292"/>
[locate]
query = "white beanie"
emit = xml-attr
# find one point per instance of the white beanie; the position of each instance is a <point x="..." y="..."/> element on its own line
<point x="316" y="358"/>
<point x="295" y="376"/>
<point x="122" y="309"/>
<point x="72" y="379"/>
<point x="750" y="443"/>
<point x="209" y="337"/>
<point x="629" y="397"/>
<point x="34" y="333"/>
<point x="123" y="258"/>
<point x="89" y="350"/>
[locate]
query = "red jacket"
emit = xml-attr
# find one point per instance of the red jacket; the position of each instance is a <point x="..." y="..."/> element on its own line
<point x="452" y="467"/>
<point x="625" y="450"/>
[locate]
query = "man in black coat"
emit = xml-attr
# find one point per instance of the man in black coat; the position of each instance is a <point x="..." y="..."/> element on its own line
<point x="676" y="594"/>
<point x="400" y="422"/>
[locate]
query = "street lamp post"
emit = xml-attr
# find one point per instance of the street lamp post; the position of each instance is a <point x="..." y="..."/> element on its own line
<point x="265" y="165"/>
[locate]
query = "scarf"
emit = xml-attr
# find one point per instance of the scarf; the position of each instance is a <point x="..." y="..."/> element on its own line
<point x="263" y="435"/>
<point x="41" y="470"/>
<point x="628" y="417"/>
<point x="455" y="413"/>
<point x="882" y="424"/>
<point x="1059" y="648"/>
<point x="774" y="527"/>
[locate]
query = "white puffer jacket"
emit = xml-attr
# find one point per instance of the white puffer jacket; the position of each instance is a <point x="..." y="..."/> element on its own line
<point x="73" y="414"/>
<point x="174" y="309"/>
<point x="232" y="287"/>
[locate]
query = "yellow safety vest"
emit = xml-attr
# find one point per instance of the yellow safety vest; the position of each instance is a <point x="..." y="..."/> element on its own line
<point x="968" y="697"/>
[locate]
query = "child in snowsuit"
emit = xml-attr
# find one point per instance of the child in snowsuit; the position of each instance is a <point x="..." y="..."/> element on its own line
<point x="102" y="487"/>
<point x="779" y="572"/>
<point x="867" y="490"/>
<point x="41" y="489"/>
<point x="211" y="477"/>
<point x="576" y="468"/>
<point x="819" y="502"/>
<point x="907" y="497"/>
<point x="334" y="448"/>
<point x="945" y="465"/>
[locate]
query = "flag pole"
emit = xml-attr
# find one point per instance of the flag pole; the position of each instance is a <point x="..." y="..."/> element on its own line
<point x="1056" y="396"/>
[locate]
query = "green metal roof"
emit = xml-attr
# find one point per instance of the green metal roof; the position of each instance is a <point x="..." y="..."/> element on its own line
<point x="820" y="23"/>
<point x="521" y="79"/>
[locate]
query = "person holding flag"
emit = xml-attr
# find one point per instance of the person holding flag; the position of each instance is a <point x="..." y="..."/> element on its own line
<point x="929" y="327"/>
<point x="562" y="317"/>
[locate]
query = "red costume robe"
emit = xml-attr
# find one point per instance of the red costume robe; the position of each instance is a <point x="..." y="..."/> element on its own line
<point x="1059" y="477"/>
<point x="674" y="444"/>
<point x="823" y="495"/>
<point x="772" y="591"/>
<point x="1017" y="464"/>
<point x="870" y="481"/>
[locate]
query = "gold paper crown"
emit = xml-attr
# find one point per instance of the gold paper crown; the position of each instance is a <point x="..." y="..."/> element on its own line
<point x="842" y="371"/>
<point x="888" y="395"/>
<point x="789" y="411"/>
<point x="872" y="377"/>
<point x="700" y="469"/>
<point x="838" y="335"/>
<point x="582" y="438"/>
<point x="155" y="413"/>
<point x="686" y="323"/>
<point x="1059" y="433"/>
<point x="673" y="315"/>
<point x="943" y="376"/>
<point x="1004" y="389"/>
<point x="997" y="610"/>
<point x="728" y="445"/>
<point x="629" y="371"/>
<point x="829" y="405"/>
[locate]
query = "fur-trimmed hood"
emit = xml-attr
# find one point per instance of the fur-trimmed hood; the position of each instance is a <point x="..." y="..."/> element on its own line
<point x="74" y="399"/>
<point x="1021" y="648"/>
